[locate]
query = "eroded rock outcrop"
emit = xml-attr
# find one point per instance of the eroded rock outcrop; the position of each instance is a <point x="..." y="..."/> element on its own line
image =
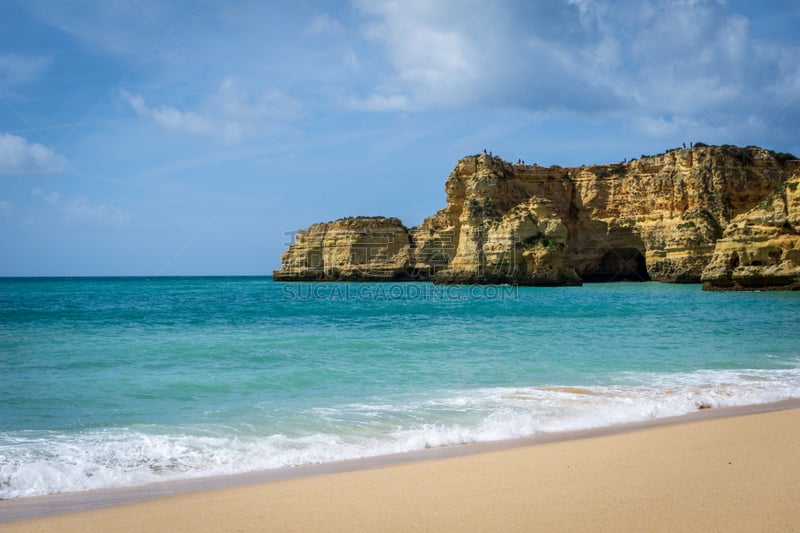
<point x="658" y="218"/>
<point x="361" y="248"/>
<point x="760" y="249"/>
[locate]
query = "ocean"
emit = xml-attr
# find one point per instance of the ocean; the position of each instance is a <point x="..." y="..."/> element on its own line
<point x="127" y="381"/>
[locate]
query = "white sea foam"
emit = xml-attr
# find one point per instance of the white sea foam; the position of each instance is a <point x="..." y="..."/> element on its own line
<point x="36" y="463"/>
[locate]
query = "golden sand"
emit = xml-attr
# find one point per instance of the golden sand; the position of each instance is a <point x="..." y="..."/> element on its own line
<point x="740" y="473"/>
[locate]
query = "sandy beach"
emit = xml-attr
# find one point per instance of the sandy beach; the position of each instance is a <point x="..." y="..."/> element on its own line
<point x="708" y="473"/>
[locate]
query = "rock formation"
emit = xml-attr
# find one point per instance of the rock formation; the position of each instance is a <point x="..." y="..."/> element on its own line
<point x="760" y="249"/>
<point x="658" y="218"/>
<point x="354" y="249"/>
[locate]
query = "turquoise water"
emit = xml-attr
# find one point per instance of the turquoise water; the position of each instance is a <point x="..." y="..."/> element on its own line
<point x="110" y="382"/>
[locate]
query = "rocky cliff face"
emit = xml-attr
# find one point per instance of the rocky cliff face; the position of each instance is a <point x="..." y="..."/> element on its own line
<point x="362" y="248"/>
<point x="760" y="249"/>
<point x="658" y="218"/>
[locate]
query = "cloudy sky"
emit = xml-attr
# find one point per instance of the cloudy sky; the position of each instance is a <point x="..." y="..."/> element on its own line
<point x="142" y="137"/>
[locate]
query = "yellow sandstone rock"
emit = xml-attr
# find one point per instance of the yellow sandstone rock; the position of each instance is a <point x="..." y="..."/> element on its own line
<point x="361" y="248"/>
<point x="760" y="249"/>
<point x="658" y="217"/>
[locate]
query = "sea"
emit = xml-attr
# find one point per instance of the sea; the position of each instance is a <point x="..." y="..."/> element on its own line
<point x="110" y="382"/>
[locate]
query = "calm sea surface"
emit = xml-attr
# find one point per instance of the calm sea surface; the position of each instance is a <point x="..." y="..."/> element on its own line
<point x="111" y="382"/>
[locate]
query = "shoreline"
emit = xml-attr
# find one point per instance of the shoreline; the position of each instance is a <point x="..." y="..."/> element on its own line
<point x="58" y="505"/>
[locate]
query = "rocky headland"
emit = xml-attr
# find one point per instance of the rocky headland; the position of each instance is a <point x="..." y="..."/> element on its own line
<point x="760" y="249"/>
<point x="723" y="215"/>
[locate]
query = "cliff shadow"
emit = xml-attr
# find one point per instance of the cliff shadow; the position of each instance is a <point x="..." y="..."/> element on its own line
<point x="619" y="264"/>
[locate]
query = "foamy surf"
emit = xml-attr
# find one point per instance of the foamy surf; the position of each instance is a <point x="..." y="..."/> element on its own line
<point x="45" y="462"/>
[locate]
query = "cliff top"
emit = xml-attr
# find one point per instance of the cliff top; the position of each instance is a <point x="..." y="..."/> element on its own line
<point x="745" y="155"/>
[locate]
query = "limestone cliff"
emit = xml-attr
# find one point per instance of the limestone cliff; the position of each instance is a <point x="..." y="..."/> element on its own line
<point x="361" y="248"/>
<point x="760" y="249"/>
<point x="658" y="218"/>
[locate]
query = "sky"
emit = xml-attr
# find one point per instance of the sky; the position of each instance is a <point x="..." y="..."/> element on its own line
<point x="192" y="137"/>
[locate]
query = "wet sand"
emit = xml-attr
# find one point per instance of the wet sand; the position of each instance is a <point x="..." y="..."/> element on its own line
<point x="734" y="468"/>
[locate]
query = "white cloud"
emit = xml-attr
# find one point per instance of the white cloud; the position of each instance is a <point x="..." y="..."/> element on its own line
<point x="19" y="156"/>
<point x="78" y="211"/>
<point x="169" y="117"/>
<point x="50" y="198"/>
<point x="181" y="120"/>
<point x="81" y="211"/>
<point x="380" y="102"/>
<point x="510" y="54"/>
<point x="635" y="61"/>
<point x="698" y="60"/>
<point x="323" y="24"/>
<point x="229" y="114"/>
<point x="435" y="61"/>
<point x="242" y="113"/>
<point x="17" y="69"/>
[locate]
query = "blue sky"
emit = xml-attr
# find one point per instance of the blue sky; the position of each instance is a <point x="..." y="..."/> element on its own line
<point x="188" y="137"/>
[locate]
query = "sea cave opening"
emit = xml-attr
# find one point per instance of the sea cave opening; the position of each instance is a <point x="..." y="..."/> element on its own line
<point x="620" y="264"/>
